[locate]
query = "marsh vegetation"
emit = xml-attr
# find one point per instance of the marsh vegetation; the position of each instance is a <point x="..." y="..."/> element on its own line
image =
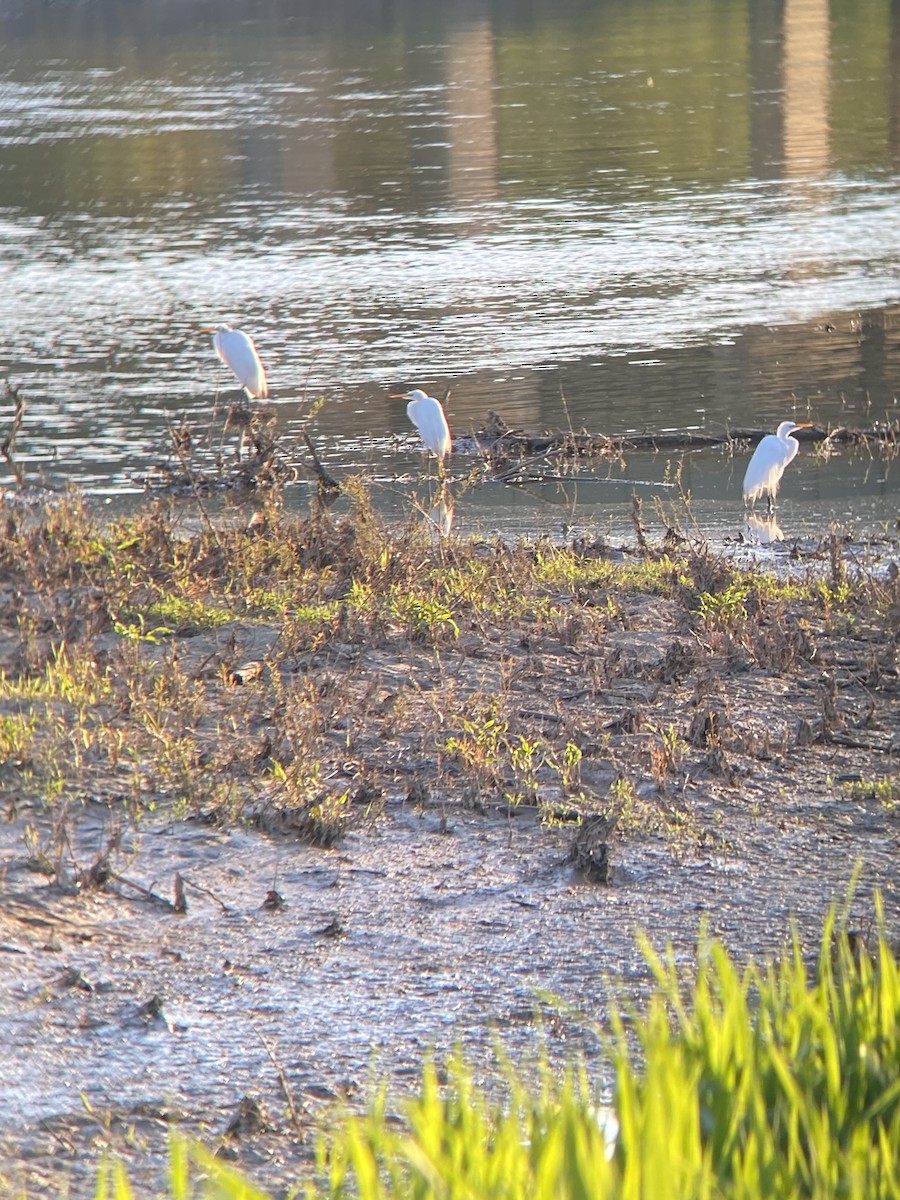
<point x="746" y="1083"/>
<point x="244" y="760"/>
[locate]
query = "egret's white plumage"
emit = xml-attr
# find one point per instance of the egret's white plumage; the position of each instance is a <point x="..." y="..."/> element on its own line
<point x="236" y="350"/>
<point x="766" y="467"/>
<point x="427" y="414"/>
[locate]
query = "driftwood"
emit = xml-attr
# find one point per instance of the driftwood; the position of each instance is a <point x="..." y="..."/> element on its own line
<point x="501" y="444"/>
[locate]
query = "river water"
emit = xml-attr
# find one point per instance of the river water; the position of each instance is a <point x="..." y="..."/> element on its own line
<point x="627" y="217"/>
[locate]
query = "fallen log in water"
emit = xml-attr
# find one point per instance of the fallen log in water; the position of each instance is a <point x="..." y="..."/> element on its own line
<point x="502" y="444"/>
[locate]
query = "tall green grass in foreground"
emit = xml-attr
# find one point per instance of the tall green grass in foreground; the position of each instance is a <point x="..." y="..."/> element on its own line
<point x="775" y="1082"/>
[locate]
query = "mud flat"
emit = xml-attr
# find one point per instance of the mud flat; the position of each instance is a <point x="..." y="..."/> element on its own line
<point x="290" y="803"/>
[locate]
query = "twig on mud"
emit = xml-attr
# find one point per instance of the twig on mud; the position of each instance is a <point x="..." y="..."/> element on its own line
<point x="206" y="892"/>
<point x="282" y="1079"/>
<point x="147" y="893"/>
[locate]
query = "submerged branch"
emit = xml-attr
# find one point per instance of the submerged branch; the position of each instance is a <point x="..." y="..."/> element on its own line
<point x="512" y="451"/>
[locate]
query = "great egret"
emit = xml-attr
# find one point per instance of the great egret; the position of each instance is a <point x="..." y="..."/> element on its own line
<point x="768" y="463"/>
<point x="236" y="350"/>
<point x="427" y="414"/>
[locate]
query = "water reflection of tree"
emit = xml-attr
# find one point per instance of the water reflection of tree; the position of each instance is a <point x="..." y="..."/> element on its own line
<point x="807" y="83"/>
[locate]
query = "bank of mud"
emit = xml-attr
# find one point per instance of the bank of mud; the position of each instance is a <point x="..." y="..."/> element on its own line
<point x="290" y="804"/>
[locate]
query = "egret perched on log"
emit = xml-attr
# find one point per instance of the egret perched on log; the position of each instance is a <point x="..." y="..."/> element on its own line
<point x="427" y="414"/>
<point x="236" y="350"/>
<point x="768" y="463"/>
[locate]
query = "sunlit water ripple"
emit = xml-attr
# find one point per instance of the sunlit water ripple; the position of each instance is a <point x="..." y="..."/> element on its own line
<point x="530" y="277"/>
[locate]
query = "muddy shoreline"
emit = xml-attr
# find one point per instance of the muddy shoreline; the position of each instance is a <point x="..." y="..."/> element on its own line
<point x="265" y="853"/>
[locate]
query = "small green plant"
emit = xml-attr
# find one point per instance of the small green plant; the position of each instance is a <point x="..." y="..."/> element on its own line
<point x="526" y="757"/>
<point x="726" y="608"/>
<point x="16" y="734"/>
<point x="481" y="749"/>
<point x="176" y="768"/>
<point x="562" y="567"/>
<point x="425" y="618"/>
<point x="624" y="798"/>
<point x="298" y="782"/>
<point x="137" y="630"/>
<point x="184" y="611"/>
<point x="885" y="789"/>
<point x="361" y="596"/>
<point x="835" y="597"/>
<point x="568" y="767"/>
<point x="69" y="675"/>
<point x="323" y="822"/>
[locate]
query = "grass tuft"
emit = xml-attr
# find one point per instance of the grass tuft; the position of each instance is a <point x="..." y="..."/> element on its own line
<point x="746" y="1083"/>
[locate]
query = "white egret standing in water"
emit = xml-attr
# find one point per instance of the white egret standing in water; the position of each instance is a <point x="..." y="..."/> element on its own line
<point x="427" y="414"/>
<point x="768" y="463"/>
<point x="236" y="350"/>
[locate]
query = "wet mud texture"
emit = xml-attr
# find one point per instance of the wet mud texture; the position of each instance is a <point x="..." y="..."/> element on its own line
<point x="120" y="1018"/>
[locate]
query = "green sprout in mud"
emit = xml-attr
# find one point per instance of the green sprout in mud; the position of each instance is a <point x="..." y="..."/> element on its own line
<point x="270" y="601"/>
<point x="487" y="745"/>
<point x="622" y="793"/>
<point x="836" y="596"/>
<point x="179" y="772"/>
<point x="182" y="611"/>
<point x="298" y="782"/>
<point x="884" y="789"/>
<point x="568" y="767"/>
<point x="633" y="812"/>
<point x="69" y="675"/>
<point x="564" y="567"/>
<point x="481" y="749"/>
<point x="471" y="583"/>
<point x="526" y="758"/>
<point x="137" y="630"/>
<point x="727" y="608"/>
<point x="316" y="614"/>
<point x="425" y="618"/>
<point x="317" y="814"/>
<point x="360" y="596"/>
<point x="324" y="822"/>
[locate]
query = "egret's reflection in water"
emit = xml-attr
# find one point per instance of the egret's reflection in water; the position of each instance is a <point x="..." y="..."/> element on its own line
<point x="441" y="516"/>
<point x="763" y="531"/>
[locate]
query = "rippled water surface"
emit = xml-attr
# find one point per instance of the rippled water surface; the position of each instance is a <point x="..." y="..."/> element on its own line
<point x="627" y="217"/>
